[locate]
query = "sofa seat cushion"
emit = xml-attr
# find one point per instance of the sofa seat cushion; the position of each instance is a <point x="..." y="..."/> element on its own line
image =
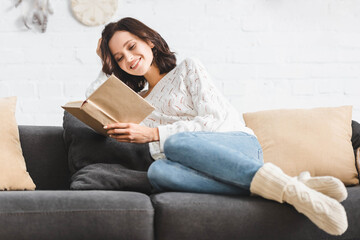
<point x="180" y="216"/>
<point x="75" y="215"/>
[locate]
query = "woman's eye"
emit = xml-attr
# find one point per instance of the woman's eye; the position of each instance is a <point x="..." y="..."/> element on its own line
<point x="131" y="47"/>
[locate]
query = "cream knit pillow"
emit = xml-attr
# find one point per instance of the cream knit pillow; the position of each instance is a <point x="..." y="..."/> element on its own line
<point x="317" y="140"/>
<point x="13" y="174"/>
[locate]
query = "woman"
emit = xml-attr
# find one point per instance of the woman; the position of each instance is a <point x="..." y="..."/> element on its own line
<point x="196" y="137"/>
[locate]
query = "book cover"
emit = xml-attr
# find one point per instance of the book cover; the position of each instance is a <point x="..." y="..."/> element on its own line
<point x="112" y="102"/>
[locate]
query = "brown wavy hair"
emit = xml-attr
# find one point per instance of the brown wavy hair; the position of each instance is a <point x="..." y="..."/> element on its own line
<point x="164" y="59"/>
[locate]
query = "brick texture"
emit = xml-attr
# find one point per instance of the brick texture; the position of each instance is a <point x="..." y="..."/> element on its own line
<point x="261" y="54"/>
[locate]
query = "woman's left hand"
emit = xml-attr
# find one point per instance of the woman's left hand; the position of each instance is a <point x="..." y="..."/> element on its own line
<point x="132" y="132"/>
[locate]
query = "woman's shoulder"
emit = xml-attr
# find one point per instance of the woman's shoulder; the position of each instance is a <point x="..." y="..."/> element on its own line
<point x="187" y="67"/>
<point x="190" y="62"/>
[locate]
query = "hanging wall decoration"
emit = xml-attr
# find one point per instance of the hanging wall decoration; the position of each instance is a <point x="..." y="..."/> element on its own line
<point x="35" y="13"/>
<point x="94" y="12"/>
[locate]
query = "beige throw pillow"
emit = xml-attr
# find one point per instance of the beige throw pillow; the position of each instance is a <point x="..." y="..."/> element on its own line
<point x="317" y="140"/>
<point x="13" y="174"/>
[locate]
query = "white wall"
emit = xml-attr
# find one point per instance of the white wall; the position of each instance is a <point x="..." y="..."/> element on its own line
<point x="262" y="54"/>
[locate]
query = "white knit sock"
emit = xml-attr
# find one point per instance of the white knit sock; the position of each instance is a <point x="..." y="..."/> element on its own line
<point x="327" y="185"/>
<point x="272" y="183"/>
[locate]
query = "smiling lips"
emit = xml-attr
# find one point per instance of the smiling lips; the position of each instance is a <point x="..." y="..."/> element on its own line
<point x="135" y="64"/>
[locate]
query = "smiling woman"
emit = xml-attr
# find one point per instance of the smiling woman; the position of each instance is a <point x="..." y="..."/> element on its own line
<point x="196" y="136"/>
<point x="133" y="40"/>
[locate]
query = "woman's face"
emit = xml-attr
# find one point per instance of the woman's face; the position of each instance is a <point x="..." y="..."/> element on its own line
<point x="132" y="54"/>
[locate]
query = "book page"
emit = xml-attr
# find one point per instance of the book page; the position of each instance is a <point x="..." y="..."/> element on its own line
<point x="120" y="102"/>
<point x="85" y="117"/>
<point x="112" y="102"/>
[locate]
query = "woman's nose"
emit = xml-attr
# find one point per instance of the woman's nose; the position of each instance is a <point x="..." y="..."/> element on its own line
<point x="129" y="57"/>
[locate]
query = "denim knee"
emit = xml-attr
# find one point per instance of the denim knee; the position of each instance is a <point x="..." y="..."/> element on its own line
<point x="175" y="141"/>
<point x="153" y="171"/>
<point x="156" y="174"/>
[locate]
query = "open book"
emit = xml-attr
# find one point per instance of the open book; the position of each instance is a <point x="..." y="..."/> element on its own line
<point x="112" y="102"/>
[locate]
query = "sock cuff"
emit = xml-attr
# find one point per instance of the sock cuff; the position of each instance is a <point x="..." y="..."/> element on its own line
<point x="269" y="182"/>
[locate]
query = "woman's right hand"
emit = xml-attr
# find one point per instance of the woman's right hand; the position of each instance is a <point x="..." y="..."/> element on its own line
<point x="98" y="49"/>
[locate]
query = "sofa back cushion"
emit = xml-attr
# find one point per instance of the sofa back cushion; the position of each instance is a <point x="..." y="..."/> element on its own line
<point x="97" y="162"/>
<point x="46" y="159"/>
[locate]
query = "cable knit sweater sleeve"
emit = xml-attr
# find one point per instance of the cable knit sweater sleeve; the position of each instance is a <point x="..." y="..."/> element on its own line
<point x="213" y="112"/>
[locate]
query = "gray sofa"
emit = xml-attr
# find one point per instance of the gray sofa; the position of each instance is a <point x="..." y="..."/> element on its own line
<point x="53" y="211"/>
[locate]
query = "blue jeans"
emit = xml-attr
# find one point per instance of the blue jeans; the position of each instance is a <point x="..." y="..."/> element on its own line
<point x="207" y="162"/>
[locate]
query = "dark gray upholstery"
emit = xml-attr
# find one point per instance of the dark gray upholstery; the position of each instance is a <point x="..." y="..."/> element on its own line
<point x="60" y="215"/>
<point x="355" y="138"/>
<point x="105" y="176"/>
<point x="54" y="212"/>
<point x="86" y="147"/>
<point x="182" y="216"/>
<point x="46" y="159"/>
<point x="94" y="159"/>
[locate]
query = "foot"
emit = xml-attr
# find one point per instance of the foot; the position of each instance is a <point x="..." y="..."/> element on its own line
<point x="327" y="185"/>
<point x="325" y="212"/>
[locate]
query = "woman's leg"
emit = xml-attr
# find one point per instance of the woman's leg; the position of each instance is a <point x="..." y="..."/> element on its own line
<point x="240" y="144"/>
<point x="165" y="175"/>
<point x="232" y="157"/>
<point x="221" y="156"/>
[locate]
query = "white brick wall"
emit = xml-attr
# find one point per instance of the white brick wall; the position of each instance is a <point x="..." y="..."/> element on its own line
<point x="262" y="54"/>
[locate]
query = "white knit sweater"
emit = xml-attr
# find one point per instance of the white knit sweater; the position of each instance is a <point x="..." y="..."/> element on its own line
<point x="185" y="99"/>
